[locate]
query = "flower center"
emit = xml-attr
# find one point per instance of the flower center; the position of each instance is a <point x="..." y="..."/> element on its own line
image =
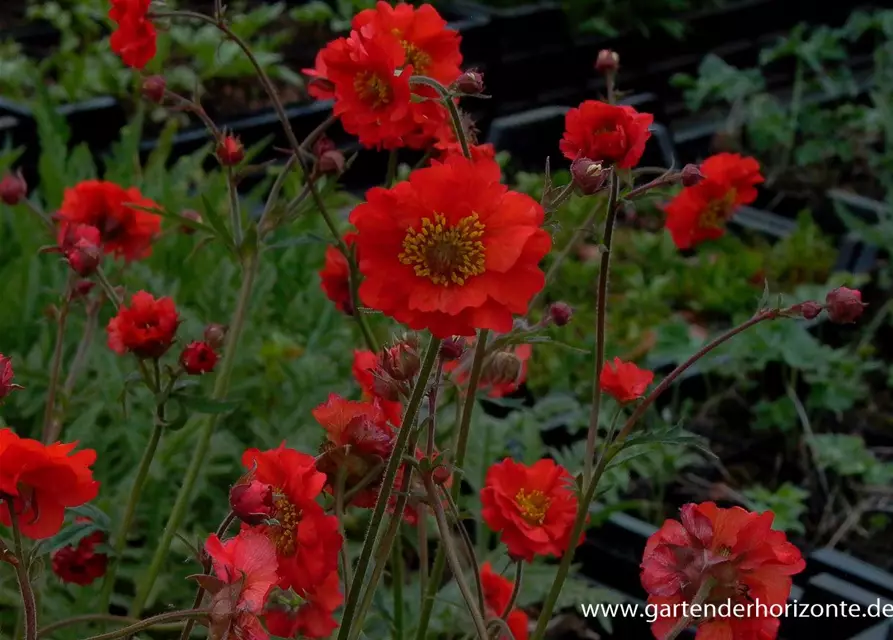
<point x="533" y="505"/>
<point x="419" y="60"/>
<point x="284" y="535"/>
<point x="717" y="211"/>
<point x="445" y="254"/>
<point x="372" y="89"/>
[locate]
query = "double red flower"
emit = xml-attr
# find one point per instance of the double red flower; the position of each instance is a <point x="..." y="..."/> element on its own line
<point x="700" y="212"/>
<point x="81" y="564"/>
<point x="135" y="38"/>
<point x="451" y="249"/>
<point x="606" y="133"/>
<point x="624" y="380"/>
<point x="146" y="328"/>
<point x="312" y="617"/>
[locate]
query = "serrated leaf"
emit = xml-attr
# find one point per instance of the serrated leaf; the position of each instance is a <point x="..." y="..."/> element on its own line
<point x="95" y="514"/>
<point x="70" y="536"/>
<point x="210" y="214"/>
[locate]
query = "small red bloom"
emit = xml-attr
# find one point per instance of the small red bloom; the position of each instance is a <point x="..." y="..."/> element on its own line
<point x="81" y="564"/>
<point x="124" y="230"/>
<point x="497" y="594"/>
<point x="146" y="328"/>
<point x="37" y="482"/>
<point x="532" y="507"/>
<point x="738" y="550"/>
<point x="135" y="37"/>
<point x="13" y="188"/>
<point x="451" y="249"/>
<point x="82" y="248"/>
<point x="306" y="539"/>
<point x="335" y="277"/>
<point x="365" y="365"/>
<point x="251" y="501"/>
<point x="624" y="380"/>
<point x="606" y="133"/>
<point x="198" y="358"/>
<point x="247" y="568"/>
<point x="312" y="618"/>
<point x="230" y="151"/>
<point x="6" y="374"/>
<point x="699" y="212"/>
<point x="844" y="305"/>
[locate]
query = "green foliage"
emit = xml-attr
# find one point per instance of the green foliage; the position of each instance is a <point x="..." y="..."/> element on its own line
<point x="788" y="503"/>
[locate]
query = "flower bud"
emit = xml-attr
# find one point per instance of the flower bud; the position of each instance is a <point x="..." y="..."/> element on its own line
<point x="607" y="62"/>
<point x="252" y="501"/>
<point x="214" y="335"/>
<point x="331" y="162"/>
<point x="6" y="375"/>
<point x="82" y="248"/>
<point x="691" y="175"/>
<point x="230" y="151"/>
<point x="153" y="89"/>
<point x="470" y="83"/>
<point x="560" y="313"/>
<point x="452" y="348"/>
<point x="198" y="358"/>
<point x="81" y="288"/>
<point x="504" y="367"/>
<point x="401" y="362"/>
<point x="589" y="176"/>
<point x="810" y="309"/>
<point x="844" y="305"/>
<point x="323" y="144"/>
<point x="13" y="188"/>
<point x="441" y="475"/>
<point x="386" y="389"/>
<point x="189" y="214"/>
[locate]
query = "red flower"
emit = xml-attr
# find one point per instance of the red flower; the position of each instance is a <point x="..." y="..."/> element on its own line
<point x="230" y="151"/>
<point x="365" y="363"/>
<point x="533" y="507"/>
<point x="146" y="328"/>
<point x="312" y="618"/>
<point x="247" y="564"/>
<point x="700" y="212"/>
<point x="37" y="482"/>
<point x="6" y="374"/>
<point x="624" y="380"/>
<point x="251" y="501"/>
<point x="493" y="381"/>
<point x="451" y="249"/>
<point x="124" y="230"/>
<point x="738" y="549"/>
<point x="13" y="188"/>
<point x="335" y="276"/>
<point x="198" y="358"/>
<point x="606" y="133"/>
<point x="306" y="539"/>
<point x="135" y="38"/>
<point x="82" y="248"/>
<point x="81" y="564"/>
<point x="497" y="594"/>
<point x="844" y="305"/>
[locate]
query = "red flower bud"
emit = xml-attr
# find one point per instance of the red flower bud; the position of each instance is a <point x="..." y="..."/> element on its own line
<point x="607" y="62"/>
<point x="810" y="309"/>
<point x="452" y="348"/>
<point x="214" y="335"/>
<point x="153" y="89"/>
<point x="6" y="375"/>
<point x="844" y="305"/>
<point x="82" y="288"/>
<point x="252" y="501"/>
<point x="198" y="358"/>
<point x="471" y="83"/>
<point x="230" y="151"/>
<point x="691" y="175"/>
<point x="83" y="249"/>
<point x="589" y="176"/>
<point x="13" y="188"/>
<point x="386" y="389"/>
<point x="401" y="362"/>
<point x="323" y="144"/>
<point x="441" y="475"/>
<point x="331" y="162"/>
<point x="189" y="214"/>
<point x="504" y="367"/>
<point x="560" y="313"/>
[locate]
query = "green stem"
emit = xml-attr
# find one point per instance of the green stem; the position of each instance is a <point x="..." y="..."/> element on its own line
<point x="89" y="617"/>
<point x="29" y="605"/>
<point x="142" y="625"/>
<point x="469" y="549"/>
<point x="49" y="413"/>
<point x="397" y="584"/>
<point x="700" y="598"/>
<point x="107" y="287"/>
<point x="387" y="485"/>
<point x="235" y="211"/>
<point x="391" y="176"/>
<point x="200" y="453"/>
<point x="448" y="102"/>
<point x="516" y="589"/>
<point x="339" y="514"/>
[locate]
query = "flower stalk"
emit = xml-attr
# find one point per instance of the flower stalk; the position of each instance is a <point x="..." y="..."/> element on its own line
<point x="29" y="604"/>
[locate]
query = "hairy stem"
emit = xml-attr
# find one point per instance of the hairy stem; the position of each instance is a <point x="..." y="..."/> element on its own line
<point x="148" y="623"/>
<point x="397" y="584"/>
<point x="49" y="414"/>
<point x="29" y="604"/>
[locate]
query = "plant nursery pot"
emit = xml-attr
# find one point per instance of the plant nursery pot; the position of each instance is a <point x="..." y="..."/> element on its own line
<point x="523" y="27"/>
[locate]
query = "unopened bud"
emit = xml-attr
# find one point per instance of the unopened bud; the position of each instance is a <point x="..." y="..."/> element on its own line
<point x="560" y="313"/>
<point x="189" y="214"/>
<point x="13" y="188"/>
<point x="470" y="83"/>
<point x="214" y="335"/>
<point x="607" y="62"/>
<point x="153" y="89"/>
<point x="844" y="305"/>
<point x="691" y="175"/>
<point x="401" y="362"/>
<point x="252" y="502"/>
<point x="504" y="367"/>
<point x="81" y="288"/>
<point x="81" y="247"/>
<point x="588" y="175"/>
<point x="810" y="309"/>
<point x="441" y="475"/>
<point x="230" y="151"/>
<point x="331" y="162"/>
<point x="323" y="144"/>
<point x="452" y="348"/>
<point x="385" y="389"/>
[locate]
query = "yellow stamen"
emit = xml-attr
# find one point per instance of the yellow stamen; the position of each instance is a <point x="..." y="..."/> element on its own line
<point x="445" y="254"/>
<point x="534" y="505"/>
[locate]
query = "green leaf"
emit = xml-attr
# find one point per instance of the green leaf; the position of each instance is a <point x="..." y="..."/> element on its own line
<point x="208" y="405"/>
<point x="96" y="515"/>
<point x="70" y="536"/>
<point x="210" y="214"/>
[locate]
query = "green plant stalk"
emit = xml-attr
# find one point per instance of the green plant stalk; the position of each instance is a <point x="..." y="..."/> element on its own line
<point x="469" y="549"/>
<point x="589" y="492"/>
<point x="221" y="388"/>
<point x="447" y="100"/>
<point x="235" y="210"/>
<point x="339" y="514"/>
<point x="49" y="413"/>
<point x="516" y="589"/>
<point x="387" y="485"/>
<point x="29" y="604"/>
<point x="148" y="623"/>
<point x="601" y="312"/>
<point x="89" y="617"/>
<point x="700" y="598"/>
<point x="397" y="583"/>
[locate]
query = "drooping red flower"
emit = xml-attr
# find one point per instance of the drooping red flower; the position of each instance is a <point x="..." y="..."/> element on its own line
<point x="198" y="357"/>
<point x="451" y="249"/>
<point x="497" y="380"/>
<point x="844" y="305"/>
<point x="533" y="508"/>
<point x="738" y="549"/>
<point x="335" y="276"/>
<point x="624" y="380"/>
<point x="6" y="375"/>
<point x="365" y="364"/>
<point x="146" y="328"/>
<point x="306" y="539"/>
<point x="247" y="568"/>
<point x="497" y="594"/>
<point x="700" y="212"/>
<point x="81" y="564"/>
<point x="606" y="133"/>
<point x="135" y="38"/>
<point x="37" y="482"/>
<point x="124" y="230"/>
<point x="312" y="617"/>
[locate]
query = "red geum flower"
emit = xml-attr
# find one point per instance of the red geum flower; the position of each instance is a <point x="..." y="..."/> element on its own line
<point x="532" y="507"/>
<point x="6" y="375"/>
<point x="246" y="571"/>
<point x="606" y="133"/>
<point x="844" y="305"/>
<point x="624" y="380"/>
<point x="251" y="501"/>
<point x="230" y="151"/>
<point x="738" y="550"/>
<point x="365" y="366"/>
<point x="82" y="248"/>
<point x="335" y="276"/>
<point x="37" y="482"/>
<point x="198" y="357"/>
<point x="500" y="377"/>
<point x="306" y="539"/>
<point x="319" y="87"/>
<point x="310" y="616"/>
<point x="13" y="188"/>
<point x="81" y="564"/>
<point x="451" y="249"/>
<point x="124" y="230"/>
<point x="146" y="328"/>
<point x="497" y="594"/>
<point x="135" y="38"/>
<point x="700" y="212"/>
